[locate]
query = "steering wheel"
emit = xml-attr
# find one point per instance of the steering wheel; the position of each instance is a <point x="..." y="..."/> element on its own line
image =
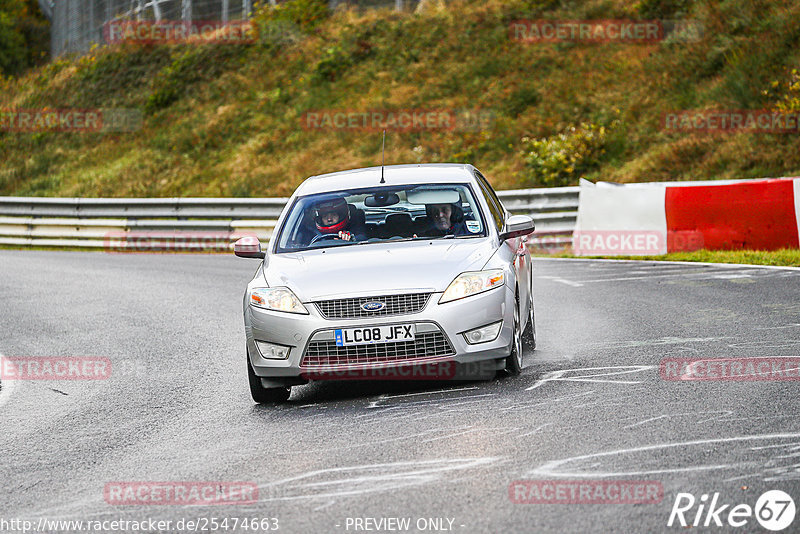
<point x="320" y="237"/>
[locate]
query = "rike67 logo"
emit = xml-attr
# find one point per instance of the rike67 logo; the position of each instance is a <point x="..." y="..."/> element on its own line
<point x="774" y="510"/>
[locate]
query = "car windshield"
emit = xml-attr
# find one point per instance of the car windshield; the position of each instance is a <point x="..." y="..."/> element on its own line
<point x="381" y="214"/>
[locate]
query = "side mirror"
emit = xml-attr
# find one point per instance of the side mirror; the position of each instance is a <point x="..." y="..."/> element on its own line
<point x="517" y="225"/>
<point x="248" y="247"/>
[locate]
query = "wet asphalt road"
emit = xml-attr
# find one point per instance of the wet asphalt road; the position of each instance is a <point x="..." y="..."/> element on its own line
<point x="591" y="404"/>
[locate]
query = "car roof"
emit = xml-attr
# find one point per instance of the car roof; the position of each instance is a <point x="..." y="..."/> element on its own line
<point x="427" y="173"/>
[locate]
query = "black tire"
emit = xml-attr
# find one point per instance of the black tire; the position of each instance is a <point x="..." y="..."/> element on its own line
<point x="264" y="395"/>
<point x="529" y="335"/>
<point x="514" y="360"/>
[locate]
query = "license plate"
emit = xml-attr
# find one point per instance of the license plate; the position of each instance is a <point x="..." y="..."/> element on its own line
<point x="374" y="334"/>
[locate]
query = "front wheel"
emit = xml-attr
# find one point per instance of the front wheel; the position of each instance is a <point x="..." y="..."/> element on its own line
<point x="514" y="360"/>
<point x="261" y="394"/>
<point x="529" y="335"/>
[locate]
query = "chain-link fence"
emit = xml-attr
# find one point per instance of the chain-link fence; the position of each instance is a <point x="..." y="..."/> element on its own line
<point x="77" y="24"/>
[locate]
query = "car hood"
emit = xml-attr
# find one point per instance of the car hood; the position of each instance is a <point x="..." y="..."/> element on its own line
<point x="376" y="268"/>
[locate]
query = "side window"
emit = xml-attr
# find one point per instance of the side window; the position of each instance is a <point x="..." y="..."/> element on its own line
<point x="495" y="207"/>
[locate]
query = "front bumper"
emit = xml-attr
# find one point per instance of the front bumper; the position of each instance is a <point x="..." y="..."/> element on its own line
<point x="308" y="335"/>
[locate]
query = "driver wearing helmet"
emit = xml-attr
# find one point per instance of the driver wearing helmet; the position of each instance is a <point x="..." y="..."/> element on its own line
<point x="333" y="217"/>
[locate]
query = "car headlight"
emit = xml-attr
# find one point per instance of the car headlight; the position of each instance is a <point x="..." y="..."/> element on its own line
<point x="278" y="299"/>
<point x="472" y="283"/>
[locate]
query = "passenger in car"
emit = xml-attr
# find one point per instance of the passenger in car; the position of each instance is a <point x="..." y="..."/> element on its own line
<point x="443" y="219"/>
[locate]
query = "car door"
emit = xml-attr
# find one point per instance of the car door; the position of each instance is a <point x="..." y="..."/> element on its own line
<point x="520" y="256"/>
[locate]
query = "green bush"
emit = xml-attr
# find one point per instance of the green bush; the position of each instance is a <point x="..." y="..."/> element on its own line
<point x="336" y="59"/>
<point x="562" y="159"/>
<point x="785" y="93"/>
<point x="305" y="14"/>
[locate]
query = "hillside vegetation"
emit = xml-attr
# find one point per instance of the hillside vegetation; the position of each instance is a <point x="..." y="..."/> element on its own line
<point x="24" y="36"/>
<point x="225" y="119"/>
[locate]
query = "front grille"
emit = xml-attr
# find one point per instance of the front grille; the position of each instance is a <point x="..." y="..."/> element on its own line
<point x="430" y="344"/>
<point x="351" y="308"/>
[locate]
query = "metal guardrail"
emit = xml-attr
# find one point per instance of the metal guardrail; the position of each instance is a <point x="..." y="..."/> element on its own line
<point x="554" y="210"/>
<point x="213" y="223"/>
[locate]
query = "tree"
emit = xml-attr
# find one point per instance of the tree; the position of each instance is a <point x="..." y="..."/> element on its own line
<point x="24" y="36"/>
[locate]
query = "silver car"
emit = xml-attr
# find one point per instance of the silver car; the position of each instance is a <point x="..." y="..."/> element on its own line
<point x="379" y="272"/>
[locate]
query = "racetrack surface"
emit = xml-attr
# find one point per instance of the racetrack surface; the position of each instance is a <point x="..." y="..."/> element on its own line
<point x="590" y="405"/>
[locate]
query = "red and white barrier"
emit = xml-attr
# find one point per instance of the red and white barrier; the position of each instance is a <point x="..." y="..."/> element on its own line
<point x="656" y="218"/>
<point x="797" y="204"/>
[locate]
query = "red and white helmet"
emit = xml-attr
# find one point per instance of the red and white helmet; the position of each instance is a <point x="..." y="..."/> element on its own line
<point x="336" y="205"/>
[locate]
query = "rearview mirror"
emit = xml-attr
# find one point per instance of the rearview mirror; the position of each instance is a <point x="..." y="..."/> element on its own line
<point x="517" y="225"/>
<point x="433" y="196"/>
<point x="381" y="200"/>
<point x="248" y="247"/>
